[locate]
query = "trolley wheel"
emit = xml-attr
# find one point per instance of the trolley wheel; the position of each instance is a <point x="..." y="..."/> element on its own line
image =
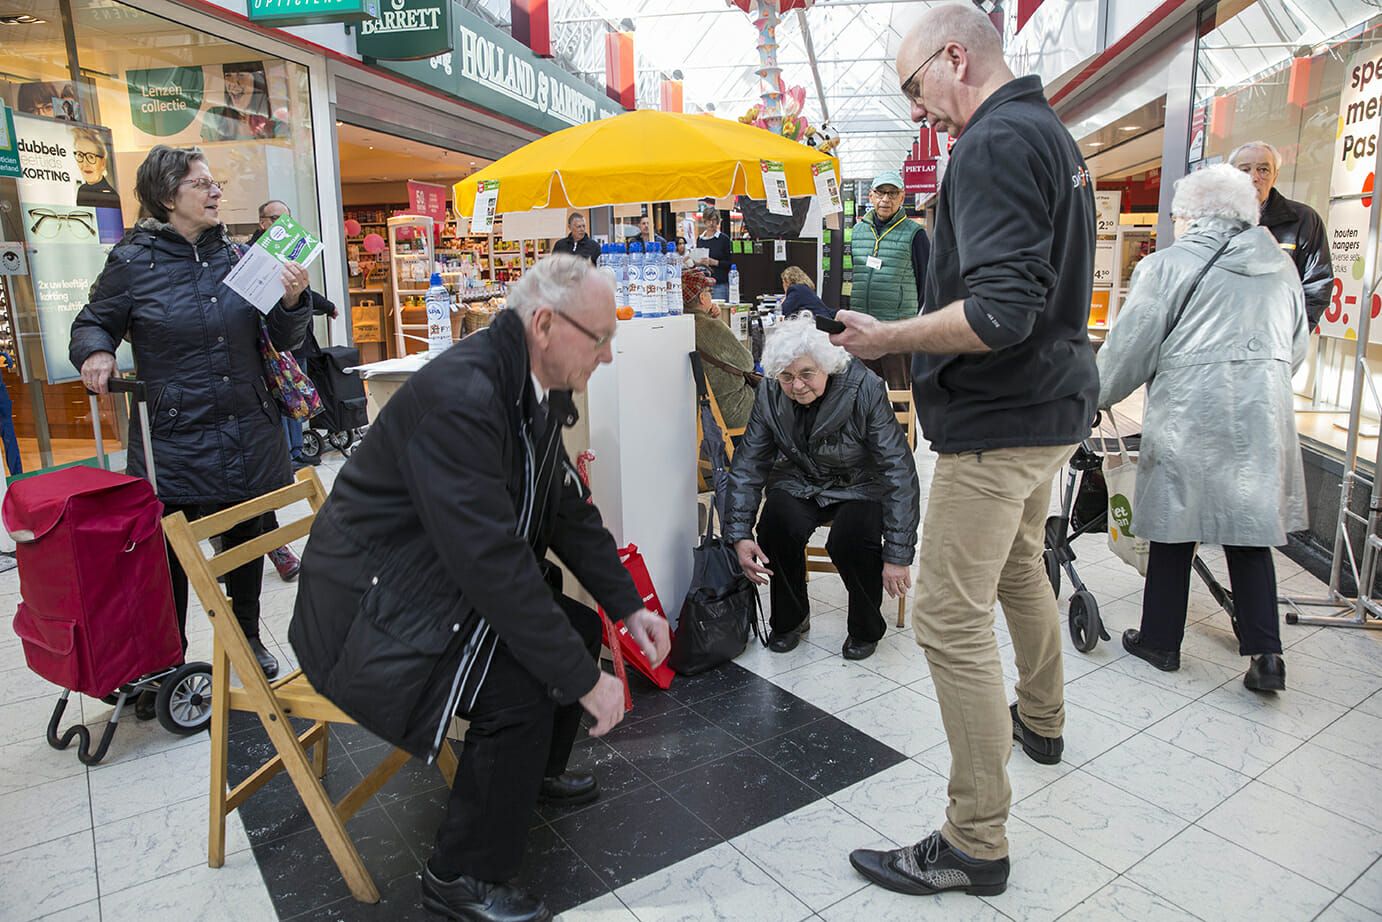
<point x="1292" y="617"/>
<point x="341" y="440"/>
<point x="311" y="444"/>
<point x="183" y="704"/>
<point x="1085" y="626"/>
<point x="1052" y="569"/>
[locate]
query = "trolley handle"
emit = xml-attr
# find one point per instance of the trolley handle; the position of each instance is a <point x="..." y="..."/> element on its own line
<point x="140" y="393"/>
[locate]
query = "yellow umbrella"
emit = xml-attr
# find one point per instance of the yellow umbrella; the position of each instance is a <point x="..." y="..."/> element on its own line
<point x="643" y="156"/>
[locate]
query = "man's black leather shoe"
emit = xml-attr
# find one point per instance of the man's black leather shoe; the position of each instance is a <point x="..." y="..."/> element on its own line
<point x="786" y="641"/>
<point x="267" y="661"/>
<point x="1266" y="673"/>
<point x="1044" y="749"/>
<point x="858" y="649"/>
<point x="931" y="866"/>
<point x="1165" y="660"/>
<point x="569" y="789"/>
<point x="471" y="900"/>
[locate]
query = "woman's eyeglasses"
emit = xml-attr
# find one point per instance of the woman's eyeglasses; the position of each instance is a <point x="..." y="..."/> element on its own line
<point x="84" y="157"/>
<point x="204" y="185"/>
<point x="787" y="379"/>
<point x="49" y="224"/>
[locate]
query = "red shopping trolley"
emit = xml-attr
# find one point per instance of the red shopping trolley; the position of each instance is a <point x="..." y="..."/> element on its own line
<point x="97" y="614"/>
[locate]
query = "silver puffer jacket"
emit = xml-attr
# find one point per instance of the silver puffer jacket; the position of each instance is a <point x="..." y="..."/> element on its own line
<point x="1220" y="460"/>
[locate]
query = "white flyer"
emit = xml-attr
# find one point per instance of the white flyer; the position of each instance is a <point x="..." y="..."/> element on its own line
<point x="775" y="187"/>
<point x="486" y="201"/>
<point x="827" y="189"/>
<point x="258" y="276"/>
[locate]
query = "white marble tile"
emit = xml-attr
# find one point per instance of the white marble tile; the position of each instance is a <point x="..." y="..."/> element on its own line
<point x="718" y="884"/>
<point x="807" y="851"/>
<point x="1367" y="890"/>
<point x="86" y="912"/>
<point x="30" y="762"/>
<point x="1345" y="910"/>
<point x="1179" y="781"/>
<point x="28" y="719"/>
<point x="1372" y="704"/>
<point x="1124" y="899"/>
<point x="1357" y="735"/>
<point x="1330" y="681"/>
<point x="1292" y="712"/>
<point x="834" y="684"/>
<point x="19" y="683"/>
<point x="1107" y="651"/>
<point x="905" y="803"/>
<point x="605" y="908"/>
<point x="1025" y="777"/>
<point x="1232" y="741"/>
<point x="45" y="812"/>
<point x="1106" y="823"/>
<point x="1121" y="697"/>
<point x="1089" y="735"/>
<point x="1355" y="649"/>
<point x="904" y="719"/>
<point x="899" y="658"/>
<point x="233" y="893"/>
<point x="1214" y="643"/>
<point x="875" y="904"/>
<point x="763" y="662"/>
<point x="1111" y="579"/>
<point x="46" y="878"/>
<point x="1329" y="780"/>
<point x="1194" y="678"/>
<point x="1048" y="877"/>
<point x="158" y="843"/>
<point x="134" y="738"/>
<point x="1224" y="881"/>
<point x="122" y="789"/>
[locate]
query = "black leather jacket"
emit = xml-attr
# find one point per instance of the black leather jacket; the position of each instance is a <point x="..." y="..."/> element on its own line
<point x="1299" y="230"/>
<point x="856" y="451"/>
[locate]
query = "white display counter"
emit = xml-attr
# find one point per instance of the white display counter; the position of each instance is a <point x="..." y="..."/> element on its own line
<point x="638" y="416"/>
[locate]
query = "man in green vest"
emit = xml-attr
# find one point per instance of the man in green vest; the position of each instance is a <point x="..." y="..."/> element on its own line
<point x="889" y="253"/>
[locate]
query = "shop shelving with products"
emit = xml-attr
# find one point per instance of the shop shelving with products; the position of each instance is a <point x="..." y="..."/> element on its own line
<point x="411" y="261"/>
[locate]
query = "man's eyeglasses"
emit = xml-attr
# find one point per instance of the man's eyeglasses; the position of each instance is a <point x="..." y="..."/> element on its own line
<point x="85" y="157"/>
<point x="204" y="185"/>
<point x="787" y="379"/>
<point x="599" y="341"/>
<point x="49" y="224"/>
<point x="911" y="87"/>
<point x="883" y="193"/>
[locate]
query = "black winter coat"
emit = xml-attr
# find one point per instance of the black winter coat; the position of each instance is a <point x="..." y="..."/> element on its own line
<point x="432" y="541"/>
<point x="1299" y="230"/>
<point x="857" y="451"/>
<point x="217" y="432"/>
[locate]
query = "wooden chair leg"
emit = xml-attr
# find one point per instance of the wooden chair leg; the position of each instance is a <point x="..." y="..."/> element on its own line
<point x="319" y="750"/>
<point x="220" y="739"/>
<point x="446" y="762"/>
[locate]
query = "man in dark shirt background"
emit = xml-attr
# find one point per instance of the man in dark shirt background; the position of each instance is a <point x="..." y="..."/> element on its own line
<point x="577" y="241"/>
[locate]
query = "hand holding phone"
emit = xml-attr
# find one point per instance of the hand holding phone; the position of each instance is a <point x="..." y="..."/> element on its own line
<point x="826" y="325"/>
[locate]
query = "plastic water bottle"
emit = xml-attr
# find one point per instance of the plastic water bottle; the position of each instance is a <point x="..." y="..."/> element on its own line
<point x="617" y="262"/>
<point x="635" y="274"/>
<point x="438" y="317"/>
<point x="655" y="278"/>
<point x="733" y="284"/>
<point x="673" y="281"/>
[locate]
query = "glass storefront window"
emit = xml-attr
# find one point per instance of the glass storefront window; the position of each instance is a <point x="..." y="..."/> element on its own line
<point x="132" y="80"/>
<point x="1287" y="72"/>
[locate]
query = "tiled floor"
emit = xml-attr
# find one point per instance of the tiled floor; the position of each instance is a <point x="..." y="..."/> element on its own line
<point x="738" y="795"/>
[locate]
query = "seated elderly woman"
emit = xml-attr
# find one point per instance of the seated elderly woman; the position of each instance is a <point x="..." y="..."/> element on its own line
<point x="1214" y="325"/>
<point x="799" y="294"/>
<point x="826" y="444"/>
<point x="727" y="361"/>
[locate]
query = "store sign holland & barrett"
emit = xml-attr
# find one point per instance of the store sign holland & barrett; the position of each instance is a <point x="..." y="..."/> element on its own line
<point x="488" y="67"/>
<point x="406" y="30"/>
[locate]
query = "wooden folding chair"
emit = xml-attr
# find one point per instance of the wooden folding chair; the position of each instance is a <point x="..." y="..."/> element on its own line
<point x="703" y="464"/>
<point x="274" y="702"/>
<point x="817" y="558"/>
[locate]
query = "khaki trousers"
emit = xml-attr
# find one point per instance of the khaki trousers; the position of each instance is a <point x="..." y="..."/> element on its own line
<point x="982" y="541"/>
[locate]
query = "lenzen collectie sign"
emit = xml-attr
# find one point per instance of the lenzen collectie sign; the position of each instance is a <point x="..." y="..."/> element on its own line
<point x="406" y="30"/>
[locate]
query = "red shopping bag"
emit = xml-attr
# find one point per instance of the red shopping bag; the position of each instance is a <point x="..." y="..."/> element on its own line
<point x="633" y="653"/>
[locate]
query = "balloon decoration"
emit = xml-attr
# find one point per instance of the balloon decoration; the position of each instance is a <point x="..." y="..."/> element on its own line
<point x="352" y="227"/>
<point x="374" y="243"/>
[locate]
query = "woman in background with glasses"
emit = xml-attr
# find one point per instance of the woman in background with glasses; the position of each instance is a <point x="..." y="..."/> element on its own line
<point x="824" y="441"/>
<point x="217" y="434"/>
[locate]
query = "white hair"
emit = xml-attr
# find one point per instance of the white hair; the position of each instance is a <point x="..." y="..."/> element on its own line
<point x="796" y="337"/>
<point x="1276" y="154"/>
<point x="1219" y="191"/>
<point x="551" y="283"/>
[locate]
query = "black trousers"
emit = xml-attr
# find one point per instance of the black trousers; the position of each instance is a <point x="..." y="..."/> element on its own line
<point x="243" y="584"/>
<point x="855" y="546"/>
<point x="517" y="736"/>
<point x="1252" y="576"/>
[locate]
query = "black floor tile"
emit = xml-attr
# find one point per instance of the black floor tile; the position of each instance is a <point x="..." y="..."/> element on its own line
<point x="399" y="901"/>
<point x="277" y="809"/>
<point x="758" y="711"/>
<point x="554" y="873"/>
<point x="648" y="700"/>
<point x="418" y="818"/>
<point x="413" y="778"/>
<point x="663" y="746"/>
<point x="739" y="792"/>
<point x="635" y="835"/>
<point x="829" y="755"/>
<point x="724" y="678"/>
<point x="615" y="774"/>
<point x="301" y="876"/>
<point x="354" y="738"/>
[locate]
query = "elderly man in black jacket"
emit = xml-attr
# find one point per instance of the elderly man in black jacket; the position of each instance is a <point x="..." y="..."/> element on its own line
<point x="1295" y="225"/>
<point x="425" y="591"/>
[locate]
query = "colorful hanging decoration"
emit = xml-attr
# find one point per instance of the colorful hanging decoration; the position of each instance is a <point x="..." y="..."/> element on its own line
<point x="766" y="16"/>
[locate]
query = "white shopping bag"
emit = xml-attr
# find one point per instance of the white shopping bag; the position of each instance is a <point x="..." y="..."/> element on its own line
<point x="1120" y="476"/>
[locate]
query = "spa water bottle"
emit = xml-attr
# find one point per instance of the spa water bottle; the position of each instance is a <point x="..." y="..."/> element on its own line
<point x="673" y="281"/>
<point x="438" y="317"/>
<point x="733" y="284"/>
<point x="655" y="279"/>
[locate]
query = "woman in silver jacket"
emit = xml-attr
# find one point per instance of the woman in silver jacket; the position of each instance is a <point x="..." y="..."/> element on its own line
<point x="1220" y="461"/>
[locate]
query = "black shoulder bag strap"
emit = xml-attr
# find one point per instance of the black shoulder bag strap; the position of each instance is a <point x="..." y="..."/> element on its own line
<point x="1189" y="292"/>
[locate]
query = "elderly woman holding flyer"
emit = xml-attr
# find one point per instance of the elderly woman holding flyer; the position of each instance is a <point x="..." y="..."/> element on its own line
<point x="217" y="433"/>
